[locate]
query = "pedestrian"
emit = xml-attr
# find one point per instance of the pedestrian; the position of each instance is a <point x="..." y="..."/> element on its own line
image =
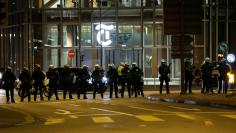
<point x="136" y="75"/>
<point x="26" y="83"/>
<point x="98" y="85"/>
<point x="223" y="79"/>
<point x="112" y="76"/>
<point x="67" y="81"/>
<point x="84" y="81"/>
<point x="53" y="77"/>
<point x="8" y="84"/>
<point x="126" y="80"/>
<point x="206" y="70"/>
<point x="38" y="77"/>
<point x="164" y="72"/>
<point x="188" y="75"/>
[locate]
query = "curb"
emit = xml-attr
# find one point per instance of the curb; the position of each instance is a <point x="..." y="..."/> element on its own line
<point x="191" y="102"/>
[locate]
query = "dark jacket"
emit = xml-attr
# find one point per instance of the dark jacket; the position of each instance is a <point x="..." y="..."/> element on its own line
<point x="8" y="79"/>
<point x="164" y="70"/>
<point x="53" y="76"/>
<point x="112" y="74"/>
<point x="97" y="75"/>
<point x="38" y="76"/>
<point x="25" y="78"/>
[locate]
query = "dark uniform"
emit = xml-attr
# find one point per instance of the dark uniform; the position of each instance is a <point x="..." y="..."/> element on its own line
<point x="38" y="77"/>
<point x="126" y="79"/>
<point x="206" y="70"/>
<point x="164" y="72"/>
<point x="98" y="85"/>
<point x="9" y="81"/>
<point x="53" y="76"/>
<point x="67" y="81"/>
<point x="135" y="78"/>
<point x="26" y="83"/>
<point x="84" y="78"/>
<point x="188" y="68"/>
<point x="223" y="79"/>
<point x="112" y="76"/>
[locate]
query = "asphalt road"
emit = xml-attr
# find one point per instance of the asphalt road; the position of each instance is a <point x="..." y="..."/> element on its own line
<point x="126" y="115"/>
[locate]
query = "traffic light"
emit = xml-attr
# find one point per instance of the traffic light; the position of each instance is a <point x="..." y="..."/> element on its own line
<point x="3" y="13"/>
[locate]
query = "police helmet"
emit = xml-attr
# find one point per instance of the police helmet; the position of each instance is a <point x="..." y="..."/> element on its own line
<point x="51" y="66"/>
<point x="207" y="59"/>
<point x="9" y="68"/>
<point x="163" y="61"/>
<point x="66" y="66"/>
<point x="37" y="66"/>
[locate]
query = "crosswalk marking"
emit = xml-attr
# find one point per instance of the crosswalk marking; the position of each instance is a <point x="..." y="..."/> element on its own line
<point x="189" y="117"/>
<point x="148" y="118"/>
<point x="230" y="116"/>
<point x="208" y="123"/>
<point x="102" y="119"/>
<point x="53" y="121"/>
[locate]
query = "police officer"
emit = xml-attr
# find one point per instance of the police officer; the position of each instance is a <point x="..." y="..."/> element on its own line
<point x="126" y="79"/>
<point x="119" y="70"/>
<point x="188" y="68"/>
<point x="97" y="76"/>
<point x="136" y="75"/>
<point x="67" y="81"/>
<point x="84" y="81"/>
<point x="223" y="68"/>
<point x="8" y="84"/>
<point x="164" y="72"/>
<point x="26" y="83"/>
<point x="53" y="76"/>
<point x="112" y="76"/>
<point x="38" y="77"/>
<point x="206" y="70"/>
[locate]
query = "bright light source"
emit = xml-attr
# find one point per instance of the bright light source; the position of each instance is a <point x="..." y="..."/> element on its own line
<point x="230" y="58"/>
<point x="231" y="78"/>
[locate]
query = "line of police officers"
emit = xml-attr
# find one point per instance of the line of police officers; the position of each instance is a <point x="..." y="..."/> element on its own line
<point x="75" y="80"/>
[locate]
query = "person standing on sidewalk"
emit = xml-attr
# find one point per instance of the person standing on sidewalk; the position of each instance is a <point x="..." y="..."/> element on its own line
<point x="26" y="83"/>
<point x="8" y="84"/>
<point x="67" y="81"/>
<point x="53" y="76"/>
<point x="223" y="68"/>
<point x="38" y="77"/>
<point x="206" y="70"/>
<point x="126" y="79"/>
<point x="188" y="75"/>
<point x="164" y="72"/>
<point x="112" y="76"/>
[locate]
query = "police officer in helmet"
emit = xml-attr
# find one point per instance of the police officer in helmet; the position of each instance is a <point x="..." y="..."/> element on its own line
<point x="53" y="76"/>
<point x="164" y="72"/>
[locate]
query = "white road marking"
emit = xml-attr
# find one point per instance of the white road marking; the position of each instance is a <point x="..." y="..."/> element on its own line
<point x="54" y="121"/>
<point x="65" y="112"/>
<point x="102" y="119"/>
<point x="189" y="117"/>
<point x="122" y="113"/>
<point x="155" y="110"/>
<point x="76" y="105"/>
<point x="208" y="123"/>
<point x="148" y="118"/>
<point x="192" y="109"/>
<point x="230" y="116"/>
<point x="76" y="116"/>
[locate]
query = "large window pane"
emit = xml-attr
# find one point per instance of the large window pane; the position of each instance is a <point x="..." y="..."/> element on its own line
<point x="129" y="35"/>
<point x="51" y="45"/>
<point x="86" y="39"/>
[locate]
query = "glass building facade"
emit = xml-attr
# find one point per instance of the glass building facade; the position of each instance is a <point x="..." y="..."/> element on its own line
<point x="98" y="31"/>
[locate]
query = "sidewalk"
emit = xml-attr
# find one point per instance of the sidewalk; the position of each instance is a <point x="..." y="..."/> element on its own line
<point x="196" y="98"/>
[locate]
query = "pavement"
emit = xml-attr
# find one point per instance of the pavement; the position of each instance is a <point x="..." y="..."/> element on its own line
<point x="195" y="98"/>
